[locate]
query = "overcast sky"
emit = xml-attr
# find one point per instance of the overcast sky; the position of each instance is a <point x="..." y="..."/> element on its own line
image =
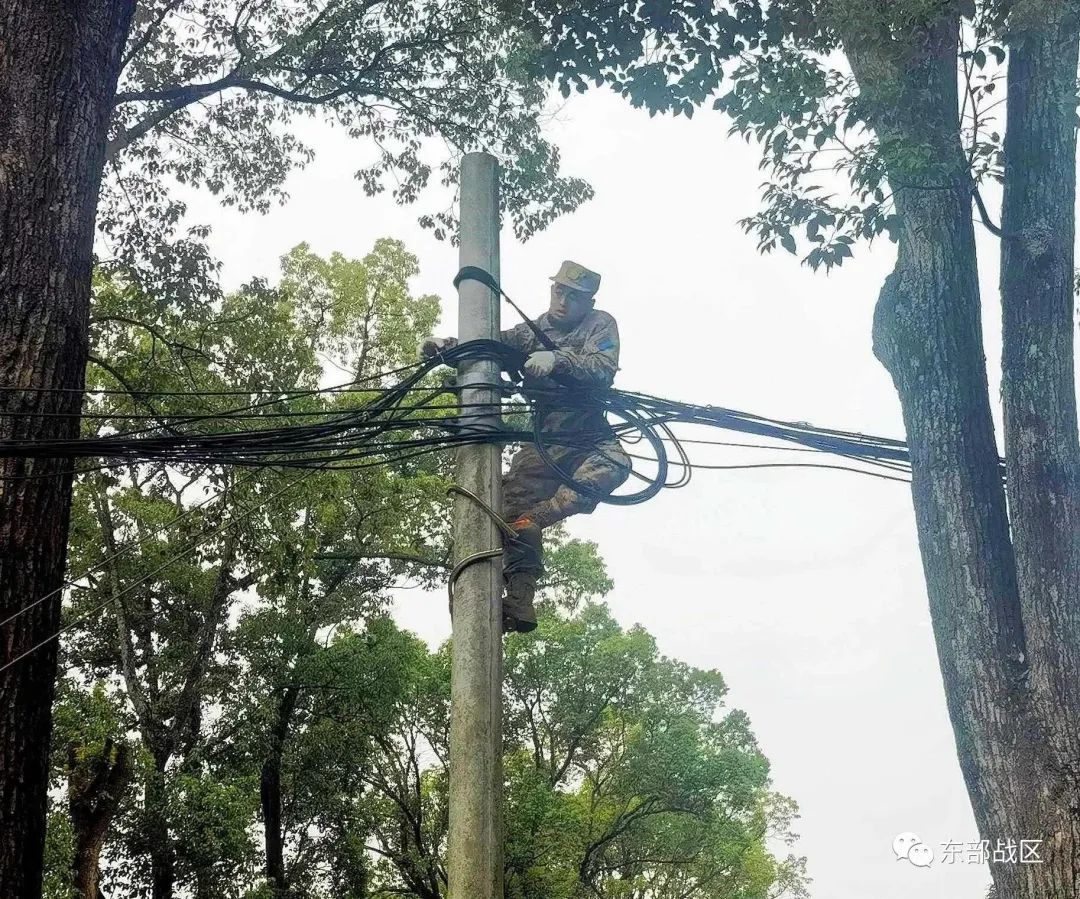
<point x="802" y="586"/>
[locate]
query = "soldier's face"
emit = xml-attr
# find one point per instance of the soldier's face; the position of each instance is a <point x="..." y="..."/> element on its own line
<point x="568" y="306"/>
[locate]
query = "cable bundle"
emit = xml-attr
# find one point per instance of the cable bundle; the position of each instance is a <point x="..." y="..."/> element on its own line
<point x="412" y="417"/>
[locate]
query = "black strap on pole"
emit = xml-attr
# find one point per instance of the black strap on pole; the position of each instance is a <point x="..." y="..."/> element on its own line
<point x="475" y="273"/>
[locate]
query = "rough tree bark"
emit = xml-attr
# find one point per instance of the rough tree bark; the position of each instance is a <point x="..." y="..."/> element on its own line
<point x="270" y="793"/>
<point x="1001" y="580"/>
<point x="1042" y="451"/>
<point x="95" y="789"/>
<point x="156" y="816"/>
<point x="58" y="71"/>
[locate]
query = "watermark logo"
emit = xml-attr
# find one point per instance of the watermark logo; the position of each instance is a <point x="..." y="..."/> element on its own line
<point x="909" y="847"/>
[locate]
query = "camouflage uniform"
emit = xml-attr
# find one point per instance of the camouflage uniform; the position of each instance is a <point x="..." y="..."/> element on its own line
<point x="588" y="354"/>
<point x="579" y="440"/>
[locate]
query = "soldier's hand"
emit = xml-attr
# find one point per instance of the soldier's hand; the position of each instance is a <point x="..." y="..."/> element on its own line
<point x="431" y="347"/>
<point x="540" y="364"/>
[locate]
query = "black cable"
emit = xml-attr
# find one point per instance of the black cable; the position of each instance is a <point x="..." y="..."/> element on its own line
<point x="408" y="417"/>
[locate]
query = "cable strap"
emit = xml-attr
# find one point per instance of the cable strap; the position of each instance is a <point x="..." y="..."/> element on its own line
<point x="500" y="523"/>
<point x="475" y="273"/>
<point x="483" y="555"/>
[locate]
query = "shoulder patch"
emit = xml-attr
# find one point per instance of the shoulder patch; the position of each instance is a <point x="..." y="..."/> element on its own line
<point x="608" y="343"/>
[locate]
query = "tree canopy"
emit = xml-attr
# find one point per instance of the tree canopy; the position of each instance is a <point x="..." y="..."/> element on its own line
<point x="241" y="717"/>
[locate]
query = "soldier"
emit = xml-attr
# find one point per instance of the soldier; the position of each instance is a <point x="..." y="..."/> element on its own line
<point x="580" y="440"/>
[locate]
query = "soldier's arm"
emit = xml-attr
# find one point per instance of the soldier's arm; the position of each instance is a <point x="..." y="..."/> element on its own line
<point x="595" y="364"/>
<point x="520" y="337"/>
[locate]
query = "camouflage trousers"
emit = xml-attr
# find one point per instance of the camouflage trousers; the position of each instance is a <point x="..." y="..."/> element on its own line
<point x="533" y="490"/>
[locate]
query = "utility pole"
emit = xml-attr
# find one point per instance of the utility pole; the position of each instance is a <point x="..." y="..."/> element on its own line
<point x="475" y="856"/>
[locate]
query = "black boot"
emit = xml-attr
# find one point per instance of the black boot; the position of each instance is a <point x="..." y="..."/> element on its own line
<point x="522" y="566"/>
<point x="519" y="614"/>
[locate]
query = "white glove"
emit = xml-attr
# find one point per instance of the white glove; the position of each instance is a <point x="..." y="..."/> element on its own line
<point x="540" y="364"/>
<point x="431" y="347"/>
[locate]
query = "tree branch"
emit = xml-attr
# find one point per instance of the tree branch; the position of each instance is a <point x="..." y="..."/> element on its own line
<point x="137" y="46"/>
<point x="184" y="727"/>
<point x="243" y="77"/>
<point x="984" y="215"/>
<point x="389" y="556"/>
<point x="127" y="650"/>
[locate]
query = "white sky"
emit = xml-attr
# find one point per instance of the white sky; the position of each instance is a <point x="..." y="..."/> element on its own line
<point x="802" y="586"/>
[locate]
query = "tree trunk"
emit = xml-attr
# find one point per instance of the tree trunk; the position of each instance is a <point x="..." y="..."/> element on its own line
<point x="162" y="865"/>
<point x="58" y="70"/>
<point x="95" y="789"/>
<point x="270" y="794"/>
<point x="1042" y="451"/>
<point x="927" y="333"/>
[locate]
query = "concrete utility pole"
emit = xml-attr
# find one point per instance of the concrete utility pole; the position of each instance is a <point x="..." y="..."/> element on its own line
<point x="475" y="857"/>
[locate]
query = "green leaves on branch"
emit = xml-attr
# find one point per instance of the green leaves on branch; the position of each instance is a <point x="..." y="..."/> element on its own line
<point x="213" y="93"/>
<point x="830" y="149"/>
<point x="626" y="776"/>
<point x="807" y="119"/>
<point x="211" y="585"/>
<point x="663" y="56"/>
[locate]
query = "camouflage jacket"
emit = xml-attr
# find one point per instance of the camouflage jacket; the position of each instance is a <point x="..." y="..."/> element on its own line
<point x="588" y="355"/>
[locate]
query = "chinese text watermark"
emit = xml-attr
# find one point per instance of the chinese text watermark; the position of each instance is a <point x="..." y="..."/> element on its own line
<point x="909" y="847"/>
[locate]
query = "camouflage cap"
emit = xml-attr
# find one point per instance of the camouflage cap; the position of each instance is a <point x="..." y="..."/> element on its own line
<point x="577" y="277"/>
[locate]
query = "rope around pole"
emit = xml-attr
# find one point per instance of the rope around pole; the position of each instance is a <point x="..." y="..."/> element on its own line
<point x="471" y="560"/>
